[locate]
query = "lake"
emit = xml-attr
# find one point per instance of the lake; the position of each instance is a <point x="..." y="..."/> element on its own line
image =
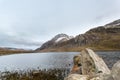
<point x="48" y="60"/>
<point x="35" y="60"/>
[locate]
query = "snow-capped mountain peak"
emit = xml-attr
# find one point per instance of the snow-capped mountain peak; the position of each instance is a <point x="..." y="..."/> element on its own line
<point x="61" y="38"/>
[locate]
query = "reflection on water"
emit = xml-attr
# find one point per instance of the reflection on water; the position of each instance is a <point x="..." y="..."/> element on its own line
<point x="34" y="60"/>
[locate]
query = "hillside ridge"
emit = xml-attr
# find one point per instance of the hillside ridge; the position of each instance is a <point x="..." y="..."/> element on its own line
<point x="105" y="37"/>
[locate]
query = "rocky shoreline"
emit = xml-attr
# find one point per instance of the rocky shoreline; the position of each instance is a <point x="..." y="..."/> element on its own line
<point x="89" y="66"/>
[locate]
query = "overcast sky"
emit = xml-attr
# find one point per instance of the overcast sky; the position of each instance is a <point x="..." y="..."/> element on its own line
<point x="29" y="23"/>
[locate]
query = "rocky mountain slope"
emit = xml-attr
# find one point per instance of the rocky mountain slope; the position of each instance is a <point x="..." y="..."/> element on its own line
<point x="101" y="38"/>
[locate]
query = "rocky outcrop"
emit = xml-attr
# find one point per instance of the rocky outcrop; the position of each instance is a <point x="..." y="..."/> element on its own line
<point x="92" y="64"/>
<point x="92" y="67"/>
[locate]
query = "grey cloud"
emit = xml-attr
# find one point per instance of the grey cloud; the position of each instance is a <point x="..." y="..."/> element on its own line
<point x="32" y="22"/>
<point x="26" y="42"/>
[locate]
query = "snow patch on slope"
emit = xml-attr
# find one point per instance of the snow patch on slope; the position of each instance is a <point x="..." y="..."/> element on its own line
<point x="114" y="24"/>
<point x="61" y="39"/>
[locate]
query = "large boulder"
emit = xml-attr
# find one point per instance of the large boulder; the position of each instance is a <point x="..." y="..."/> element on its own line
<point x="92" y="64"/>
<point x="89" y="66"/>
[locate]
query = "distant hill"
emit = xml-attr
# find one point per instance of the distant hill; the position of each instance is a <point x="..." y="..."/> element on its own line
<point x="7" y="50"/>
<point x="105" y="37"/>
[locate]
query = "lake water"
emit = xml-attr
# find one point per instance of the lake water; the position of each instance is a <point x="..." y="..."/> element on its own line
<point x="48" y="60"/>
<point x="35" y="60"/>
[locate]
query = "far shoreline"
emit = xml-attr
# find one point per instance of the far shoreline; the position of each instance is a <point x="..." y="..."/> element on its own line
<point x="75" y="50"/>
<point x="54" y="50"/>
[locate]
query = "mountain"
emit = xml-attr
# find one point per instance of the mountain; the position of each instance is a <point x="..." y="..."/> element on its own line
<point x="105" y="37"/>
<point x="58" y="39"/>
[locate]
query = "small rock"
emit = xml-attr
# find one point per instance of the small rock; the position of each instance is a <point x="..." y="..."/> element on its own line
<point x="77" y="77"/>
<point x="116" y="71"/>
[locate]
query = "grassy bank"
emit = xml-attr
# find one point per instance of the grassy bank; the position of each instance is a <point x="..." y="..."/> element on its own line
<point x="51" y="74"/>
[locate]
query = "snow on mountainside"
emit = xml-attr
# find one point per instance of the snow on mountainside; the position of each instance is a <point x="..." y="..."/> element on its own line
<point x="61" y="38"/>
<point x="114" y="24"/>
